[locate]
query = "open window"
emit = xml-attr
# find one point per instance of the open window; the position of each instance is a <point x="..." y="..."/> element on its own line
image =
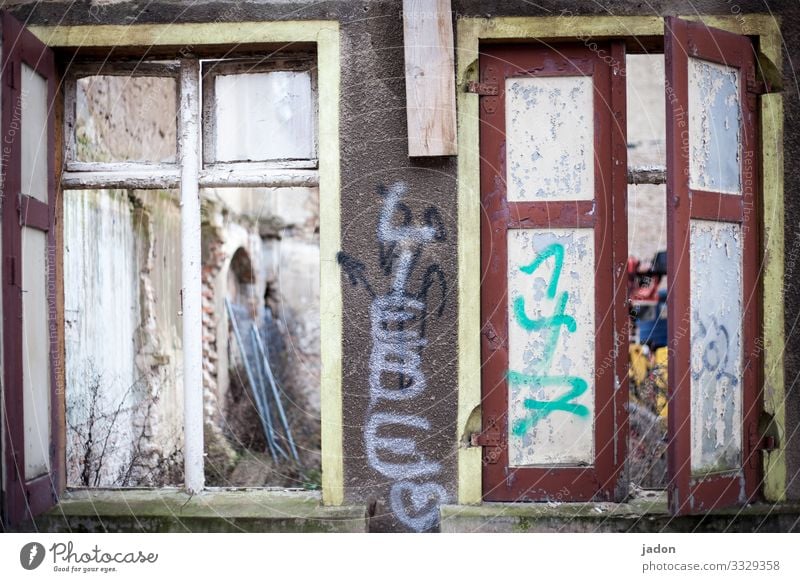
<point x="157" y="247"/>
<point x="536" y="123"/>
<point x="233" y="327"/>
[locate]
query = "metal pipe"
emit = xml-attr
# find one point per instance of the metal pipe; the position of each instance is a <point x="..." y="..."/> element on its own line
<point x="264" y="395"/>
<point x="265" y="420"/>
<point x="273" y="385"/>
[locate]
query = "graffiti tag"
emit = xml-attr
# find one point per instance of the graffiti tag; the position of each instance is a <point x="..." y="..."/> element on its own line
<point x="398" y="319"/>
<point x="552" y="325"/>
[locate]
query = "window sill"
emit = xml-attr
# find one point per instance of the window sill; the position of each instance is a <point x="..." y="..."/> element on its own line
<point x="642" y="515"/>
<point x="172" y="510"/>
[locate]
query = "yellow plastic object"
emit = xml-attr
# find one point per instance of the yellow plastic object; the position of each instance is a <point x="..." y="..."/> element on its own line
<point x="639" y="364"/>
<point x="660" y="378"/>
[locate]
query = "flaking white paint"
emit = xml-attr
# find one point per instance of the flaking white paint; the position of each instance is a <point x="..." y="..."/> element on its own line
<point x="101" y="312"/>
<point x="549" y="138"/>
<point x="714" y="127"/>
<point x="716" y="360"/>
<point x="556" y="352"/>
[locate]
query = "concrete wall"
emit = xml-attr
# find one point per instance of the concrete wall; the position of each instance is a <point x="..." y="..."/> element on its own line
<point x="381" y="188"/>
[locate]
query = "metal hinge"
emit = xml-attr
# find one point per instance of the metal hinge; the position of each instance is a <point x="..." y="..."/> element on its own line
<point x="759" y="83"/>
<point x="760" y="443"/>
<point x="492" y="439"/>
<point x="482" y="88"/>
<point x="756" y="87"/>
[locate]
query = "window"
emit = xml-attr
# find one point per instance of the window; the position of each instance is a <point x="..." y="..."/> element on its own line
<point x="259" y="312"/>
<point x="172" y="235"/>
<point x="553" y="247"/>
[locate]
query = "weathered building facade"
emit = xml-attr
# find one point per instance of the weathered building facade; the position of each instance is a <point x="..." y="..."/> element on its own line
<point x="372" y="272"/>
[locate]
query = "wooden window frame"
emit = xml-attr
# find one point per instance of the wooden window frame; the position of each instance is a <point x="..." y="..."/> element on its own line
<point x="212" y="68"/>
<point x="22" y="497"/>
<point x="79" y="175"/>
<point x="187" y="176"/>
<point x="89" y="68"/>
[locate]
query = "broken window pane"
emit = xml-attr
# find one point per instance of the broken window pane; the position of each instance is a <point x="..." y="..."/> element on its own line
<point x="126" y="119"/>
<point x="261" y="268"/>
<point x="264" y="116"/>
<point x="550" y="138"/>
<point x="123" y="338"/>
<point x="551" y="347"/>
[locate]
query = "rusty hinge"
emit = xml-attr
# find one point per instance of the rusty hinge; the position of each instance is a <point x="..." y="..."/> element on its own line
<point x="755" y="86"/>
<point x="762" y="80"/>
<point x="768" y="443"/>
<point x="492" y="439"/>
<point x="758" y="442"/>
<point x="482" y="88"/>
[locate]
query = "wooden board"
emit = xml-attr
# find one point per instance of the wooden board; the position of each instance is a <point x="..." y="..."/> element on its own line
<point x="430" y="82"/>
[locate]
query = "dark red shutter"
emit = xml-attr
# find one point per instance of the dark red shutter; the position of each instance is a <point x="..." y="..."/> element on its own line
<point x="604" y="217"/>
<point x="708" y="351"/>
<point x="24" y="498"/>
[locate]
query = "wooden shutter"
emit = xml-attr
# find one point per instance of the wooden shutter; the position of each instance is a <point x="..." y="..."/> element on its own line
<point x="553" y="252"/>
<point x="713" y="301"/>
<point x="33" y="409"/>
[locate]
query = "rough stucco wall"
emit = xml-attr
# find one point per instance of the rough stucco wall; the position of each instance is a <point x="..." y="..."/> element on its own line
<point x="373" y="154"/>
<point x="790" y="29"/>
<point x="403" y="489"/>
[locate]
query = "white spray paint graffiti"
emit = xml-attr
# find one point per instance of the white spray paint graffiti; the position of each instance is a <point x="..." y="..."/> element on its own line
<point x="396" y="374"/>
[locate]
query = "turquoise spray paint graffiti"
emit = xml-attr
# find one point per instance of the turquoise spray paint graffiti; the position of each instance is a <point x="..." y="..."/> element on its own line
<point x="540" y="377"/>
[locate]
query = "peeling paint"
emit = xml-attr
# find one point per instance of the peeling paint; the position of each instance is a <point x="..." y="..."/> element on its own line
<point x="550" y="137"/>
<point x="714" y="127"/>
<point x="551" y="346"/>
<point x="716" y="364"/>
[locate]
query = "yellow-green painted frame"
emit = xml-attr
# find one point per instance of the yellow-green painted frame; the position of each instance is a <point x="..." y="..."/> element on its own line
<point x="470" y="32"/>
<point x="325" y="35"/>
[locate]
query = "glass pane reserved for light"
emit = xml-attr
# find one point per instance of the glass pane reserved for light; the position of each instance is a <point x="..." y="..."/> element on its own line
<point x="551" y="347"/>
<point x="549" y="138"/>
<point x="34" y="114"/>
<point x="716" y="346"/>
<point x="264" y="116"/>
<point x="714" y="127"/>
<point x="35" y="353"/>
<point x="126" y="119"/>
